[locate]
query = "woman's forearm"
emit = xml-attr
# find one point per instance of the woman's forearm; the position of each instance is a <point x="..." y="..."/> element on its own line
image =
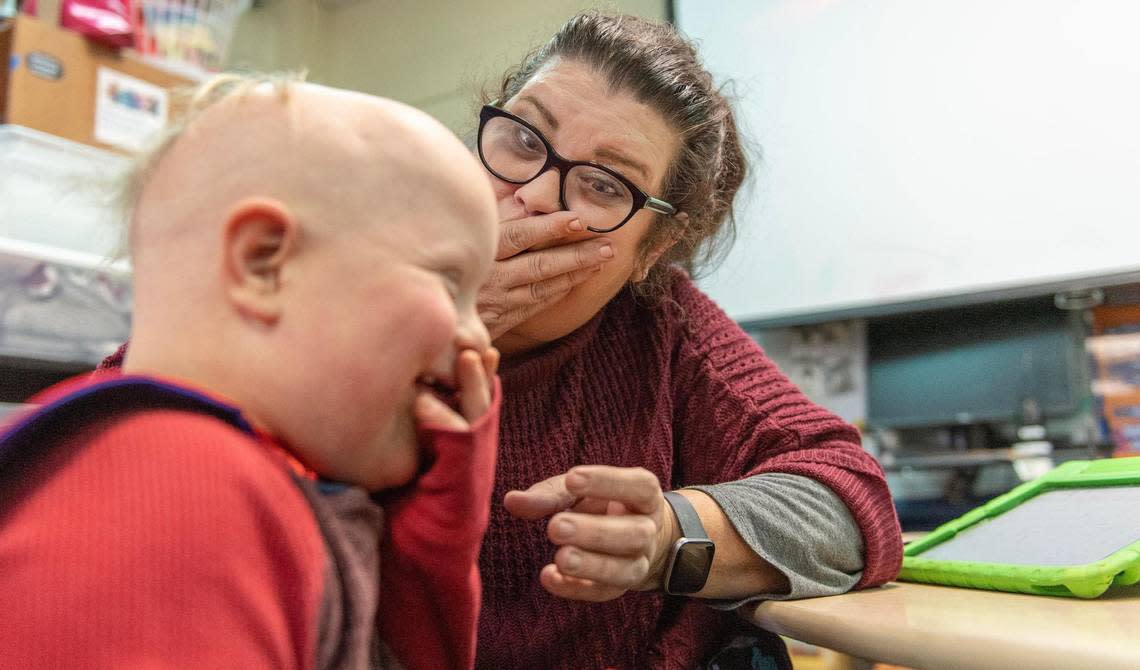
<point x="795" y="525"/>
<point x="737" y="570"/>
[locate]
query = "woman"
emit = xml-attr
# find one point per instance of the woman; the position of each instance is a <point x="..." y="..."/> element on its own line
<point x="615" y="162"/>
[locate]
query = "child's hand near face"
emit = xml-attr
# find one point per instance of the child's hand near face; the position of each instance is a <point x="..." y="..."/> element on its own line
<point x="474" y="382"/>
<point x="434" y="529"/>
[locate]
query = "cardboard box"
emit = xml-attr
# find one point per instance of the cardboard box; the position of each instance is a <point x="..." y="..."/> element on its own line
<point x="57" y="81"/>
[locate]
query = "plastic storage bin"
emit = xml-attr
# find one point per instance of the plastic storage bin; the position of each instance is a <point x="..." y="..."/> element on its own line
<point x="58" y="193"/>
<point x="61" y="297"/>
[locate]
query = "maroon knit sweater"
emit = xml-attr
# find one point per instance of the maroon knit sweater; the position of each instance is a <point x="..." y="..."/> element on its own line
<point x="682" y="391"/>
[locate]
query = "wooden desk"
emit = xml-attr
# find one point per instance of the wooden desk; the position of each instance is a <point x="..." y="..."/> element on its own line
<point x="921" y="626"/>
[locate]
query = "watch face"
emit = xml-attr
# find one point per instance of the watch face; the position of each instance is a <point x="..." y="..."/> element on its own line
<point x="692" y="560"/>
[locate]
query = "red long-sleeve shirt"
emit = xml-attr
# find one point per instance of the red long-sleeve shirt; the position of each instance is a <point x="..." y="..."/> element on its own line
<point x="142" y="533"/>
<point x="162" y="539"/>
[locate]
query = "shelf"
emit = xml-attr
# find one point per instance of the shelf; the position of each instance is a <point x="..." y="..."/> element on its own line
<point x="974" y="457"/>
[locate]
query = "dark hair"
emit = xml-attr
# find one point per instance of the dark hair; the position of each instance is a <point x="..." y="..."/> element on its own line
<point x="660" y="68"/>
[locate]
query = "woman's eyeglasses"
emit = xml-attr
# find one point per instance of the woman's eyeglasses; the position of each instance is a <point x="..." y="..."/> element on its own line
<point x="516" y="152"/>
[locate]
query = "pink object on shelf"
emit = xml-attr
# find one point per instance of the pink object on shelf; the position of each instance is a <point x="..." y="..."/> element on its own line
<point x="108" y="21"/>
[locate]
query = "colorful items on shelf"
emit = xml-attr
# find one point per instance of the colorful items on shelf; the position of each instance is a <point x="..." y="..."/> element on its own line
<point x="1114" y="352"/>
<point x="193" y="33"/>
<point x="107" y="21"/>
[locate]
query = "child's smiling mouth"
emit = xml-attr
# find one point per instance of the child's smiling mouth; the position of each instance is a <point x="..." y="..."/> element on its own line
<point x="441" y="388"/>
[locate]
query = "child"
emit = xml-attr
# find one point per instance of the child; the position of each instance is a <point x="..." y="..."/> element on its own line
<point x="209" y="506"/>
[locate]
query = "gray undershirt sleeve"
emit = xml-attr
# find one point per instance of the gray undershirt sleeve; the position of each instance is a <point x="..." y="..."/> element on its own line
<point x="799" y="526"/>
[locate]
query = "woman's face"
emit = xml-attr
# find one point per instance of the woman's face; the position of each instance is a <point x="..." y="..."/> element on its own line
<point x="585" y="120"/>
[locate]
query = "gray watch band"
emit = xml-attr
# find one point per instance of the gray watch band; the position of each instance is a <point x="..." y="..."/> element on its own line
<point x="691" y="557"/>
<point x="687" y="517"/>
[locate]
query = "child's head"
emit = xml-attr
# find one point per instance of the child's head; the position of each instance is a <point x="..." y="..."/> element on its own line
<point x="313" y="255"/>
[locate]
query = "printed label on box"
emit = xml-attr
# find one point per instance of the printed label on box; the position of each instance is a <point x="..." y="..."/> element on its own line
<point x="128" y="111"/>
<point x="44" y="66"/>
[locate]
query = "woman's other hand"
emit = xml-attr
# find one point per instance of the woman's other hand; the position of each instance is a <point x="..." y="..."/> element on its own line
<point x="530" y="275"/>
<point x="612" y="526"/>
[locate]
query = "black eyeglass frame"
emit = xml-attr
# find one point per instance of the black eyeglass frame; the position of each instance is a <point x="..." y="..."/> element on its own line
<point x="641" y="200"/>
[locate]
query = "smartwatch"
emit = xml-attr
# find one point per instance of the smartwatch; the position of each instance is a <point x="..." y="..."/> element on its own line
<point x="691" y="557"/>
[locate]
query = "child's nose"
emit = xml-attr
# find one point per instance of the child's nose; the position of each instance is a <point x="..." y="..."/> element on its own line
<point x="471" y="333"/>
<point x="543" y="194"/>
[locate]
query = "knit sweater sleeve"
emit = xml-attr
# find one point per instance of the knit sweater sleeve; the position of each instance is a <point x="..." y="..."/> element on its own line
<point x="737" y="415"/>
<point x="163" y="540"/>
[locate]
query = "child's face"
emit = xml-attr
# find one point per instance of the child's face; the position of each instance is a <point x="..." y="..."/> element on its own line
<point x="385" y="305"/>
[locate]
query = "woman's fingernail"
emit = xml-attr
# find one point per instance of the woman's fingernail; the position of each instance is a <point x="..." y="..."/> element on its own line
<point x="564" y="528"/>
<point x="575" y="480"/>
<point x="572" y="561"/>
<point x="606" y="251"/>
<point x="575" y="225"/>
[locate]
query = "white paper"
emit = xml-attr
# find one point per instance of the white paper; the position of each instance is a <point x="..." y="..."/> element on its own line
<point x="128" y="111"/>
<point x="828" y="362"/>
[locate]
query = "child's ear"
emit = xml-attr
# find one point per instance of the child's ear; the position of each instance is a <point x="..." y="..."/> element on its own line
<point x="642" y="268"/>
<point x="260" y="237"/>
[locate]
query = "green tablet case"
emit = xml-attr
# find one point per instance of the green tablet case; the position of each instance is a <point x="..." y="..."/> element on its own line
<point x="1084" y="580"/>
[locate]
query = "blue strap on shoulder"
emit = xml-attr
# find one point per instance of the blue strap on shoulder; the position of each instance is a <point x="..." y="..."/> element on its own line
<point x="35" y="434"/>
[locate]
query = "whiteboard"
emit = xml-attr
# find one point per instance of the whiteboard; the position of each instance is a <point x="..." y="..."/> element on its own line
<point x="925" y="149"/>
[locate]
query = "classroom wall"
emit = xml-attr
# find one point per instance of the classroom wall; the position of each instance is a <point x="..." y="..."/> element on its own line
<point x="433" y="55"/>
<point x="278" y="35"/>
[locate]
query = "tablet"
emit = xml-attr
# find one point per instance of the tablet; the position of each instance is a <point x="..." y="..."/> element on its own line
<point x="1073" y="532"/>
